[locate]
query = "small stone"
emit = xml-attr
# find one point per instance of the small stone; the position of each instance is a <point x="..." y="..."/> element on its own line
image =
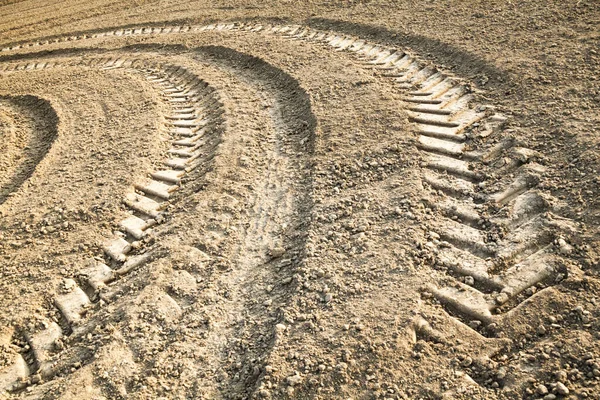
<point x="561" y="376"/>
<point x="69" y="284"/>
<point x="475" y="324"/>
<point x="294" y="380"/>
<point x="434" y="235"/>
<point x="502" y="298"/>
<point x="277" y="252"/>
<point x="501" y="374"/>
<point x="541" y="330"/>
<point x="550" y="396"/>
<point x="564" y="247"/>
<point x="562" y="389"/>
<point x="467" y="362"/>
<point x="541" y="389"/>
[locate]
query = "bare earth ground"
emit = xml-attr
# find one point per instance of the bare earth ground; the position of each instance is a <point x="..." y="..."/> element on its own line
<point x="307" y="253"/>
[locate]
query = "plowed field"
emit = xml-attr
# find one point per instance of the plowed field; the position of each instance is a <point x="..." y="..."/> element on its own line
<point x="304" y="200"/>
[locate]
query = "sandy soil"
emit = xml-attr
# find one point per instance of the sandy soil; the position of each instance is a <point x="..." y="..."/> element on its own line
<point x="338" y="221"/>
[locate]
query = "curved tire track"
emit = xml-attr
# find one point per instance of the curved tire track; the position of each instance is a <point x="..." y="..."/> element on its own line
<point x="294" y="126"/>
<point x="473" y="173"/>
<point x="30" y="130"/>
<point x="193" y="126"/>
<point x="274" y="244"/>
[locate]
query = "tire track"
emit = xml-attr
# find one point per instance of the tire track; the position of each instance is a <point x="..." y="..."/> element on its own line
<point x="293" y="124"/>
<point x="89" y="10"/>
<point x="453" y="135"/>
<point x="193" y="128"/>
<point x="273" y="244"/>
<point x="30" y="127"/>
<point x="497" y="240"/>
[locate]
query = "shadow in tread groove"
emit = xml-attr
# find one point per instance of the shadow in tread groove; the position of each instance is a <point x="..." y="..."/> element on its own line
<point x="28" y="127"/>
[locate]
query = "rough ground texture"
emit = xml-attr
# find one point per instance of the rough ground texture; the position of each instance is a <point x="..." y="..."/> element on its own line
<point x="324" y="200"/>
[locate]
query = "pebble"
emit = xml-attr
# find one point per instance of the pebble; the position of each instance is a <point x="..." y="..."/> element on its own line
<point x="541" y="330"/>
<point x="342" y="366"/>
<point x="501" y="374"/>
<point x="434" y="235"/>
<point x="475" y="324"/>
<point x="467" y="362"/>
<point x="277" y="252"/>
<point x="564" y="247"/>
<point x="541" y="389"/>
<point x="502" y="298"/>
<point x="69" y="284"/>
<point x="562" y="389"/>
<point x="561" y="376"/>
<point x="294" y="380"/>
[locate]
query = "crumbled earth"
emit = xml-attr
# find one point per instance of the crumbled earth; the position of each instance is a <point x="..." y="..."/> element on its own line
<point x="293" y="262"/>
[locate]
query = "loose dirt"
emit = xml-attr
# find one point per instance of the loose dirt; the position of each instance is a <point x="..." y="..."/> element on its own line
<point x="326" y="200"/>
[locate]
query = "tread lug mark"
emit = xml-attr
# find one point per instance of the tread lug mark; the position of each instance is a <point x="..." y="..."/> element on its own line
<point x="117" y="249"/>
<point x="95" y="277"/>
<point x="12" y="377"/>
<point x="42" y="345"/>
